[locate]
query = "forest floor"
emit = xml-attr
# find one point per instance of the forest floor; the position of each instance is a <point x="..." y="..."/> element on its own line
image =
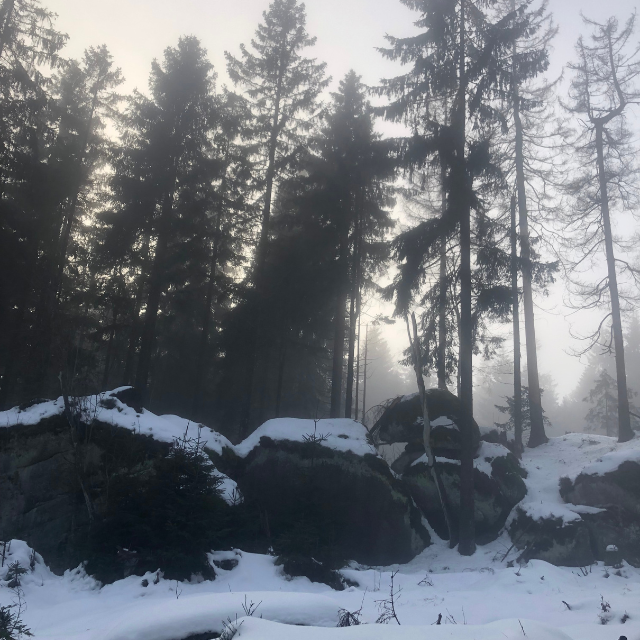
<point x="479" y="598"/>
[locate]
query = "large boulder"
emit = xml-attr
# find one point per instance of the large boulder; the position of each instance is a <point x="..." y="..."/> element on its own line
<point x="499" y="486"/>
<point x="552" y="539"/>
<point x="585" y="498"/>
<point x="41" y="500"/>
<point x="325" y="493"/>
<point x="402" y="421"/>
<point x="614" y="516"/>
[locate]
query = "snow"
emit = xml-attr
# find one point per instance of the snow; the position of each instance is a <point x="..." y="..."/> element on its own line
<point x="486" y="453"/>
<point x="341" y="434"/>
<point x="569" y="456"/>
<point x="443" y="421"/>
<point x="479" y="597"/>
<point x="510" y="629"/>
<point x="164" y="428"/>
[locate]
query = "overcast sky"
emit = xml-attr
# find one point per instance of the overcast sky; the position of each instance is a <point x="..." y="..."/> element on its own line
<point x="136" y="31"/>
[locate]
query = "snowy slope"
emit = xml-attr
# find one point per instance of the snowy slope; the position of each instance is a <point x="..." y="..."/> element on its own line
<point x="568" y="456"/>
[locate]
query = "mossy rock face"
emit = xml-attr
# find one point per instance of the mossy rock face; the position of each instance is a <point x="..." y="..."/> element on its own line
<point x="402" y="422"/>
<point x="618" y="494"/>
<point x="495" y="495"/>
<point x="41" y="500"/>
<point x="329" y="505"/>
<point x="564" y="544"/>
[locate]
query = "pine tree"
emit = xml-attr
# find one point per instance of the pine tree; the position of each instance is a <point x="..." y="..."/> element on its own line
<point x="171" y="129"/>
<point x="603" y="415"/>
<point x="526" y="102"/>
<point x="602" y="89"/>
<point x="510" y="410"/>
<point x="356" y="162"/>
<point x="282" y="88"/>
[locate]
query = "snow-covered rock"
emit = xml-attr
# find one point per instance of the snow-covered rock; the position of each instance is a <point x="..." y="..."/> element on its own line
<point x="402" y="421"/>
<point x="328" y="491"/>
<point x="499" y="486"/>
<point x="583" y="495"/>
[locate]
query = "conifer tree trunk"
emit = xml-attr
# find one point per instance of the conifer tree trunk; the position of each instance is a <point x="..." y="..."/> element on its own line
<point x="537" y="434"/>
<point x="355" y="286"/>
<point x="625" y="432"/>
<point x="281" y="367"/>
<point x="442" y="298"/>
<point x="16" y="343"/>
<point x="467" y="544"/>
<point x="107" y="361"/>
<point x="338" y="335"/>
<point x="148" y="335"/>
<point x="517" y="376"/>
<point x="135" y="322"/>
<point x="355" y="417"/>
<point x="364" y="377"/>
<point x="207" y="316"/>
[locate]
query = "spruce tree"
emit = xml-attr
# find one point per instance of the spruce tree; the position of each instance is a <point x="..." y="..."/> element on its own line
<point x="170" y="134"/>
<point x="283" y="88"/>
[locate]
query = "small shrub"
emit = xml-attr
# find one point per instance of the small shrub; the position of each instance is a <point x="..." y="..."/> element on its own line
<point x="169" y="516"/>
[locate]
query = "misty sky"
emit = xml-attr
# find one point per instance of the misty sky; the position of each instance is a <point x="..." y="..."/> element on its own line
<point x="136" y="31"/>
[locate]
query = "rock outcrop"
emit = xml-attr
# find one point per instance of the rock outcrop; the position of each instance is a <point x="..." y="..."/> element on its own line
<point x="499" y="486"/>
<point x="614" y="514"/>
<point x="401" y="421"/>
<point x="332" y="505"/>
<point x="51" y="482"/>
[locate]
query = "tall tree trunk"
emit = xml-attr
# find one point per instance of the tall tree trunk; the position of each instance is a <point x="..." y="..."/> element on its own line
<point x="625" y="432"/>
<point x="537" y="434"/>
<point x="207" y="316"/>
<point x="135" y="322"/>
<point x="107" y="361"/>
<point x="156" y="286"/>
<point x="339" y="324"/>
<point x="16" y="343"/>
<point x="414" y="344"/>
<point x="355" y="287"/>
<point x="357" y="362"/>
<point x="364" y="377"/>
<point x="442" y="297"/>
<point x="467" y="544"/>
<point x="517" y="376"/>
<point x="281" y="366"/>
<point x="338" y="355"/>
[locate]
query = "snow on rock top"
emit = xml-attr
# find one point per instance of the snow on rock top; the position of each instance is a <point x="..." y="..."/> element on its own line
<point x="569" y="456"/>
<point x="487" y="452"/>
<point x="340" y="434"/>
<point x="106" y="408"/>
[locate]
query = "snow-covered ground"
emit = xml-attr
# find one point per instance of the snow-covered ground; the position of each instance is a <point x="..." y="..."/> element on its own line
<point x="478" y="598"/>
